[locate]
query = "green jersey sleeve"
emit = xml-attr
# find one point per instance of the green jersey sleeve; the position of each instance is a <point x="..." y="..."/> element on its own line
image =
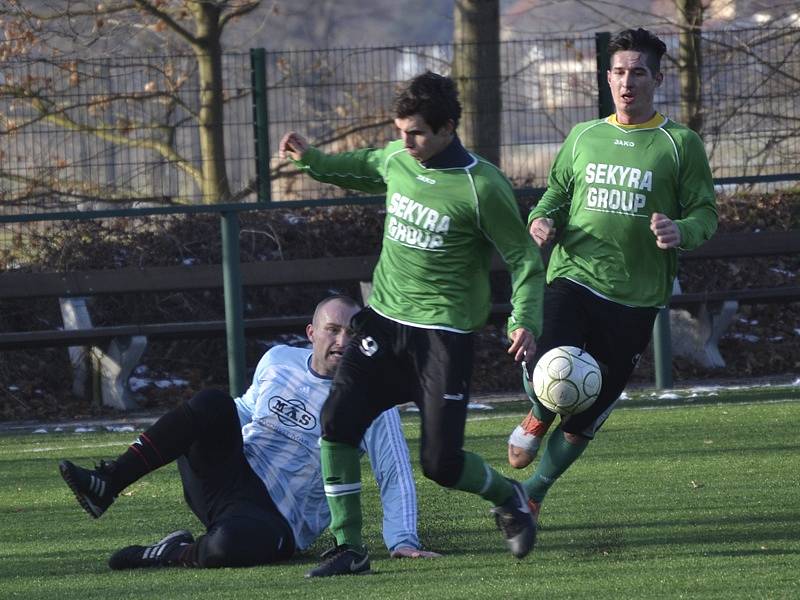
<point x="555" y="202"/>
<point x="360" y="170"/>
<point x="698" y="219"/>
<point x="502" y="224"/>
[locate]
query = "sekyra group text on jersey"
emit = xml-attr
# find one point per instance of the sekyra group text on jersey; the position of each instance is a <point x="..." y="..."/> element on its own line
<point x="414" y="224"/>
<point x="614" y="199"/>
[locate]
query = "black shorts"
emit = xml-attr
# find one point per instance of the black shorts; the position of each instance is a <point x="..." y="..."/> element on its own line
<point x="389" y="363"/>
<point x="614" y="334"/>
<point x="244" y="527"/>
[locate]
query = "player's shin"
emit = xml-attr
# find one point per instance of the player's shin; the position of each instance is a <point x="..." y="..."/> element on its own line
<point x="160" y="444"/>
<point x="341" y="474"/>
<point x="479" y="478"/>
<point x="559" y="454"/>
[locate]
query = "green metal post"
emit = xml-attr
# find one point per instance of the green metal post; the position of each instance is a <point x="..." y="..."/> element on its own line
<point x="662" y="350"/>
<point x="605" y="103"/>
<point x="234" y="314"/>
<point x="258" y="78"/>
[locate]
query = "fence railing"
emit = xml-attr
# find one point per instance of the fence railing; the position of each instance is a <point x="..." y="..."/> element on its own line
<point x="88" y="139"/>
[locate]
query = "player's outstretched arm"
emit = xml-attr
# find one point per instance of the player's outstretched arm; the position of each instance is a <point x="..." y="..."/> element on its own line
<point x="293" y="145"/>
<point x="388" y="454"/>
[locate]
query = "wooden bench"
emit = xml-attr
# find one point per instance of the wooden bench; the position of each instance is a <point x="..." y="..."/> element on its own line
<point x="714" y="310"/>
<point x="113" y="351"/>
<point x="744" y="245"/>
<point x="711" y="305"/>
<point x="14" y="285"/>
<point x="104" y="357"/>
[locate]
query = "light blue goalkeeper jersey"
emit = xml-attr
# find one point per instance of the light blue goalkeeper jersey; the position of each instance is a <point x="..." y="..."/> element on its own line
<point x="281" y="430"/>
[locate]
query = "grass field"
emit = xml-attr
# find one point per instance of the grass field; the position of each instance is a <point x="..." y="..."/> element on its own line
<point x="696" y="500"/>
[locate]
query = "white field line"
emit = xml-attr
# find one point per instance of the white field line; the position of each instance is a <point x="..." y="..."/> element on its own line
<point x="482" y="417"/>
<point x="63" y="448"/>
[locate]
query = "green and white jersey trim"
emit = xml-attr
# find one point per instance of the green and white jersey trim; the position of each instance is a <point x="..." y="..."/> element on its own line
<point x="420" y="325"/>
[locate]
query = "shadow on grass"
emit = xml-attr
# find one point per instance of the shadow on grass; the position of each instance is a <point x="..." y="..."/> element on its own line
<point x="606" y="538"/>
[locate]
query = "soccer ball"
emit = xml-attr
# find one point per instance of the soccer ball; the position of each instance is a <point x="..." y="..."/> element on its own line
<point x="567" y="380"/>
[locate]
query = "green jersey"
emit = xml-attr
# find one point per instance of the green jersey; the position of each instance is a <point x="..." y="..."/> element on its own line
<point x="606" y="182"/>
<point x="442" y="226"/>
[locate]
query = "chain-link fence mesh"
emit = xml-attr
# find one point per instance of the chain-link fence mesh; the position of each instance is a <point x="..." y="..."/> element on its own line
<point x="82" y="135"/>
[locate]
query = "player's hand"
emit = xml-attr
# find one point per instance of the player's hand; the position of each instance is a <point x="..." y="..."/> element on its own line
<point x="522" y="343"/>
<point x="292" y="145"/>
<point x="666" y="231"/>
<point x="409" y="552"/>
<point x="542" y="231"/>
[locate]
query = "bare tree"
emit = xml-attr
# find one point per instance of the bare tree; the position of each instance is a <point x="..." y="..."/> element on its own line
<point x="476" y="68"/>
<point x="54" y="48"/>
<point x="690" y="61"/>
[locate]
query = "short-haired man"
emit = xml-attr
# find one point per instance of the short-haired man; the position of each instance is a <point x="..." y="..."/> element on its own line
<point x="250" y="467"/>
<point x="447" y="212"/>
<point x="623" y="195"/>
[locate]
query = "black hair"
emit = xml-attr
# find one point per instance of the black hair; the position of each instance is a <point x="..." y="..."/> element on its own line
<point x="640" y="40"/>
<point x="432" y="96"/>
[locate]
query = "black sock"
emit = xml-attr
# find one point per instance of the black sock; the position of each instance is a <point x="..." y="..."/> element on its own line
<point x="164" y="441"/>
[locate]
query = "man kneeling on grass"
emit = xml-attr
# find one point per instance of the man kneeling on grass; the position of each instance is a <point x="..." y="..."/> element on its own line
<point x="250" y="467"/>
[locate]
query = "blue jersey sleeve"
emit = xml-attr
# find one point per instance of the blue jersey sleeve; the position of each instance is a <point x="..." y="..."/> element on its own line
<point x="246" y="403"/>
<point x="388" y="454"/>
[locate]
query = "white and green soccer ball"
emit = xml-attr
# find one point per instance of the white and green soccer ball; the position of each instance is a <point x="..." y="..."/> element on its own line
<point x="567" y="380"/>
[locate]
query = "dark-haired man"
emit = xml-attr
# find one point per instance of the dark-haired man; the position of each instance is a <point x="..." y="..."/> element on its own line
<point x="623" y="195"/>
<point x="447" y="211"/>
<point x="250" y="467"/>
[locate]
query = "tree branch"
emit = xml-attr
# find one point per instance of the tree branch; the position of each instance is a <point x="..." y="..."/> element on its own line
<point x="167" y="19"/>
<point x="61" y="119"/>
<point x="239" y="12"/>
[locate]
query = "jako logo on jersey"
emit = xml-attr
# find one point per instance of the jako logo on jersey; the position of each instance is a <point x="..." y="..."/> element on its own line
<point x="424" y="179"/>
<point x="292" y="413"/>
<point x="368" y="346"/>
<point x="625" y="143"/>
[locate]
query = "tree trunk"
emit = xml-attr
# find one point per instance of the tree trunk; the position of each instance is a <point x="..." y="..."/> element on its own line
<point x="476" y="69"/>
<point x="690" y="62"/>
<point x="208" y="50"/>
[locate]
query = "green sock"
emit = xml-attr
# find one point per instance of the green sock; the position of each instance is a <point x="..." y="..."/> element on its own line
<point x="479" y="478"/>
<point x="541" y="413"/>
<point x="341" y="474"/>
<point x="559" y="454"/>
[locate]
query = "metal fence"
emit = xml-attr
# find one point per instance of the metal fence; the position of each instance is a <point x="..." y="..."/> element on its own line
<point x="85" y="134"/>
<point x="750" y="82"/>
<point x="76" y="132"/>
<point x="91" y="139"/>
